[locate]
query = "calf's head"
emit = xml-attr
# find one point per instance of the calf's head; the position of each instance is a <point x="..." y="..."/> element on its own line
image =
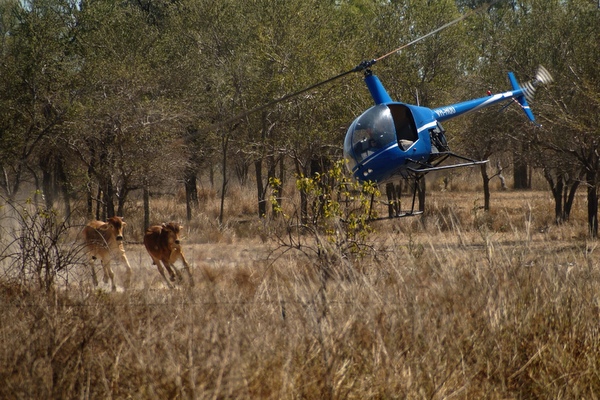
<point x="172" y="230"/>
<point x="116" y="225"/>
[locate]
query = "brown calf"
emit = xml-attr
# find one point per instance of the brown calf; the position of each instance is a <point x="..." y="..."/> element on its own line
<point x="163" y="245"/>
<point x="103" y="240"/>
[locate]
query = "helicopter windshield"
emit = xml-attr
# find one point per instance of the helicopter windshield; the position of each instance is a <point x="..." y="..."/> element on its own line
<point x="369" y="133"/>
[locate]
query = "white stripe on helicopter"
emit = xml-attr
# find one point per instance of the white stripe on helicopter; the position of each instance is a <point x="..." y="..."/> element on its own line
<point x="426" y="126"/>
<point x="368" y="160"/>
<point x="493" y="99"/>
<point x="394" y="145"/>
<point x="451" y="110"/>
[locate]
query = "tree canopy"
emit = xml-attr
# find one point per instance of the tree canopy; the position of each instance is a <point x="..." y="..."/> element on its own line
<point x="104" y="97"/>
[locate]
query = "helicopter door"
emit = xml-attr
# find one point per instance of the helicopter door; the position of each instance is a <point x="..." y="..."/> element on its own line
<point x="405" y="125"/>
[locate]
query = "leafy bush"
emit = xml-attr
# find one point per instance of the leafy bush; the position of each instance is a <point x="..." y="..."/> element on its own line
<point x="332" y="222"/>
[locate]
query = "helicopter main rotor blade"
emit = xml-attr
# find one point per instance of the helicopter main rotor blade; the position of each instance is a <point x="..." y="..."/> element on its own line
<point x="441" y="28"/>
<point x="360" y="67"/>
<point x="244" y="114"/>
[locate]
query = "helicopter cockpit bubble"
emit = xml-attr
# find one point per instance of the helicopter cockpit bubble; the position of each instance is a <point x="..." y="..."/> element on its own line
<point x="372" y="131"/>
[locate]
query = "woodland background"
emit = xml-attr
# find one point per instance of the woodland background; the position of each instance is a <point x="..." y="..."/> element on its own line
<point x="106" y="103"/>
<point x="121" y="107"/>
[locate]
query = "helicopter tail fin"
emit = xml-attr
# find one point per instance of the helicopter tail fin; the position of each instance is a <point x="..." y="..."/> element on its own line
<point x="541" y="77"/>
<point x="522" y="100"/>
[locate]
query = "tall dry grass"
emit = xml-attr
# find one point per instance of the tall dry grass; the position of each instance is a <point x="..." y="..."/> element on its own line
<point x="459" y="304"/>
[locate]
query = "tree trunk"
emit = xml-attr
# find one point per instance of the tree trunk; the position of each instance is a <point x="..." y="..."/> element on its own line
<point x="272" y="161"/>
<point x="146" y="197"/>
<point x="100" y="211"/>
<point x="47" y="189"/>
<point x="191" y="191"/>
<point x="224" y="148"/>
<point x="569" y="196"/>
<point x="90" y="196"/>
<point x="260" y="189"/>
<point x="241" y="166"/>
<point x="486" y="186"/>
<point x="393" y="193"/>
<point x="281" y="182"/>
<point x="121" y="200"/>
<point x="520" y="174"/>
<point x="301" y="171"/>
<point x="5" y="183"/>
<point x="556" y="184"/>
<point x="563" y="191"/>
<point x="320" y="165"/>
<point x="557" y="193"/>
<point x="109" y="194"/>
<point x="89" y="203"/>
<point x="501" y="176"/>
<point x="63" y="183"/>
<point x="278" y="187"/>
<point x="12" y="188"/>
<point x="38" y="189"/>
<point x="592" y="200"/>
<point x="390" y="193"/>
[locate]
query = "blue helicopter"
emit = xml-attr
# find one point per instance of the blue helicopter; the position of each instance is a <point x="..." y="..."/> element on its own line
<point x="397" y="140"/>
<point x="394" y="139"/>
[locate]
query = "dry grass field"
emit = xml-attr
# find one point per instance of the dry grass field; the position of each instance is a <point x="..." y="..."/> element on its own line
<point x="457" y="304"/>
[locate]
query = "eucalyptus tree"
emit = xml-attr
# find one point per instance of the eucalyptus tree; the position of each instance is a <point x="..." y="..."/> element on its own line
<point x="218" y="40"/>
<point x="529" y="43"/>
<point x="560" y="168"/>
<point x="488" y="136"/>
<point x="126" y="120"/>
<point x="335" y="38"/>
<point x="493" y="131"/>
<point x="565" y="37"/>
<point x="574" y="117"/>
<point x="284" y="61"/>
<point x="184" y="64"/>
<point x="37" y="75"/>
<point x="281" y="47"/>
<point x="534" y="39"/>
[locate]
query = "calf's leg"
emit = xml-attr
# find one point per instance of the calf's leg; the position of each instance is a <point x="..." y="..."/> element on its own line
<point x="125" y="262"/>
<point x="173" y="273"/>
<point x="177" y="253"/>
<point x="159" y="265"/>
<point x="187" y="268"/>
<point x="92" y="267"/>
<point x="108" y="273"/>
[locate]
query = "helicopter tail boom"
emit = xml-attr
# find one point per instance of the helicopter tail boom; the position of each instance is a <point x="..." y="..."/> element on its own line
<point x="520" y="94"/>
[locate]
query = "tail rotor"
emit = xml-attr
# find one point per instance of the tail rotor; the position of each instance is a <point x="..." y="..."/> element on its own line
<point x="542" y="77"/>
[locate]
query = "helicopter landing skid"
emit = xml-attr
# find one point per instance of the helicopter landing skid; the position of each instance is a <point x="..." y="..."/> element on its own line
<point x="441" y="157"/>
<point x="400" y="215"/>
<point x="419" y="172"/>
